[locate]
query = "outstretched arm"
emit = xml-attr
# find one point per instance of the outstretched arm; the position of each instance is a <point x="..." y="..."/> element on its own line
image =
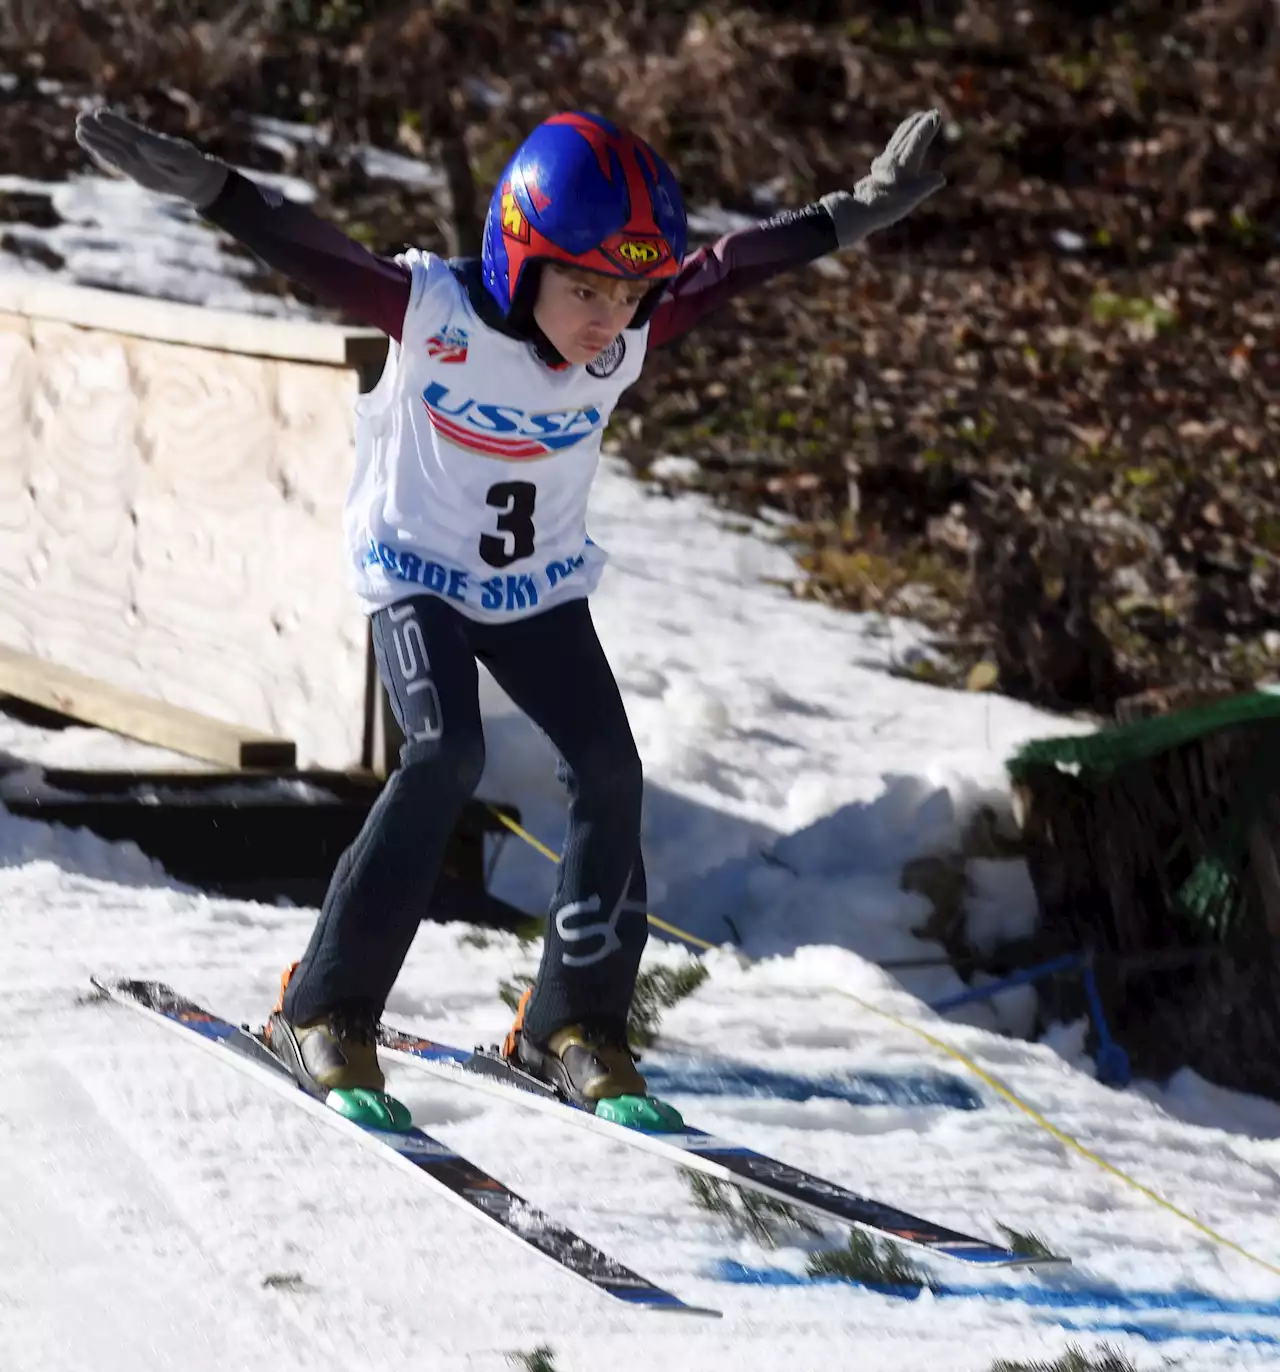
<point x="895" y="185"/>
<point x="738" y="262"/>
<point x="339" y="271"/>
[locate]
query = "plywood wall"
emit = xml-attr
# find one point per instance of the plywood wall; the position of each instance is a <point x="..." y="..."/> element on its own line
<point x="170" y="518"/>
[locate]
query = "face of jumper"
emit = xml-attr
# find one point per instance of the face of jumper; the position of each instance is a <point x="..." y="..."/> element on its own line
<point x="581" y="313"/>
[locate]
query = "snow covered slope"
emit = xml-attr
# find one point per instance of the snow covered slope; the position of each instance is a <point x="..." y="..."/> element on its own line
<point x="158" y="1211"/>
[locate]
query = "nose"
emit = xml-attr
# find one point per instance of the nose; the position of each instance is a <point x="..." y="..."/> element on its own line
<point x="603" y="322"/>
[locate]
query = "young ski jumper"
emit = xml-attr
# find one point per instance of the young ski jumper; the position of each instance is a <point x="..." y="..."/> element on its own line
<point x="466" y="528"/>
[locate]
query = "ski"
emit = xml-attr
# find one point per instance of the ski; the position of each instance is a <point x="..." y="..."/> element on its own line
<point x="430" y="1159"/>
<point x="486" y="1070"/>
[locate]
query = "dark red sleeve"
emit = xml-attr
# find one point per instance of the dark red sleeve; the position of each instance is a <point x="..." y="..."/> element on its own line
<point x="739" y="262"/>
<point x="340" y="272"/>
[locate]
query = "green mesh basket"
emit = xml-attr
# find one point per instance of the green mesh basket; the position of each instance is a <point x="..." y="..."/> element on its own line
<point x="1213" y="894"/>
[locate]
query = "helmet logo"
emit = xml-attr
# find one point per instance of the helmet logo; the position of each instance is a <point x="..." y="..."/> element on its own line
<point x="642" y="254"/>
<point x="637" y="256"/>
<point x="514" y="224"/>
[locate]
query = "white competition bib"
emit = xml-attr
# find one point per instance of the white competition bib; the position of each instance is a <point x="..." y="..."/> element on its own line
<point x="474" y="461"/>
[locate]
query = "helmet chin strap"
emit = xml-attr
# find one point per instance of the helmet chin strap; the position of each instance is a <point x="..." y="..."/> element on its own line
<point x="545" y="349"/>
<point x="520" y="320"/>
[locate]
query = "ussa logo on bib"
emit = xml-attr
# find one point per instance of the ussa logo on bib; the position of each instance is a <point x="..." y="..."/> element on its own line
<point x="506" y="431"/>
<point x="449" y="345"/>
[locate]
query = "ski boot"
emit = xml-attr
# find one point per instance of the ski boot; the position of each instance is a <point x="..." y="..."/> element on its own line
<point x="335" y="1059"/>
<point x="593" y="1067"/>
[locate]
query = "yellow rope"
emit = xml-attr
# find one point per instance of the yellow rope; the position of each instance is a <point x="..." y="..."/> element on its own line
<point x="980" y="1072"/>
<point x="680" y="933"/>
<point x="1061" y="1135"/>
<point x="546" y="852"/>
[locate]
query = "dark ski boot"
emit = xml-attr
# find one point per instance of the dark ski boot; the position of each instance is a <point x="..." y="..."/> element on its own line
<point x="335" y="1059"/>
<point x="592" y="1066"/>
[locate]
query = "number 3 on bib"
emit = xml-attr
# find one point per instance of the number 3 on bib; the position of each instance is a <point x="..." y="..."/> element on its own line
<point x="516" y="500"/>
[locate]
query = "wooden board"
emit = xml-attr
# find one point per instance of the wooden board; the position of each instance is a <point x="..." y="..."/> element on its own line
<point x="135" y="716"/>
<point x="251" y="335"/>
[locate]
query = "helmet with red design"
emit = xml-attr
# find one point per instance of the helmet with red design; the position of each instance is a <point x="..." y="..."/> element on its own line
<point x="583" y="192"/>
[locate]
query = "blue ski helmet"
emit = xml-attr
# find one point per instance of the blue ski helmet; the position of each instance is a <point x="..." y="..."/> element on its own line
<point x="583" y="192"/>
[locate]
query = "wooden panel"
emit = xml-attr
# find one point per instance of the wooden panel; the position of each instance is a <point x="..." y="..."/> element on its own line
<point x="150" y="721"/>
<point x="170" y="522"/>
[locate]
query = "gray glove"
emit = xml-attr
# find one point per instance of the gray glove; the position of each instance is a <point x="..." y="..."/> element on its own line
<point x="169" y="166"/>
<point x="896" y="185"/>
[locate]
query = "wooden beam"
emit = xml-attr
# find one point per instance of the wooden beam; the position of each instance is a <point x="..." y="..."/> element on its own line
<point x="195" y="326"/>
<point x="89" y="701"/>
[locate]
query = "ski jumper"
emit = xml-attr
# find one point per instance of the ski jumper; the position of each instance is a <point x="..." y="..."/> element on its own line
<point x="465" y="529"/>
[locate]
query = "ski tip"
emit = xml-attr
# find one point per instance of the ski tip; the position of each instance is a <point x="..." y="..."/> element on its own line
<point x="106" y="988"/>
<point x="116" y="986"/>
<point x="97" y="994"/>
<point x="665" y="1302"/>
<point x="637" y="1291"/>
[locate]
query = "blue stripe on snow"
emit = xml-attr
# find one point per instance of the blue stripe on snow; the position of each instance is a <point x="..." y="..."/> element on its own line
<point x="1168" y="1333"/>
<point x="711" y="1077"/>
<point x="1096" y="1297"/>
<point x="1057" y="1297"/>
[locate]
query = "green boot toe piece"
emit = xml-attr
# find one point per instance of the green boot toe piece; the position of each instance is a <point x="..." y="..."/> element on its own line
<point x="373" y="1109"/>
<point x="641" y="1112"/>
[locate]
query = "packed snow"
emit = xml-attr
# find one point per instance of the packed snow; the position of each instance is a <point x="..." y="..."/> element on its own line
<point x="162" y="1211"/>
